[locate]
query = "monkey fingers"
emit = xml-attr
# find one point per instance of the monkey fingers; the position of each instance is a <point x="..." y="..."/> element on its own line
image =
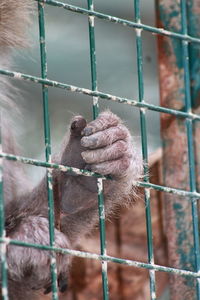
<point x="105" y="137"/>
<point x="105" y="120"/>
<point x="111" y="152"/>
<point x="117" y="167"/>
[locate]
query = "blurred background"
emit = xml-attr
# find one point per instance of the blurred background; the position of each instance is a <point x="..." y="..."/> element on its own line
<point x="69" y="62"/>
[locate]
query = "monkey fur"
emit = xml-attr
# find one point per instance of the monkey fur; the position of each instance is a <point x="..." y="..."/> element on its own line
<point x="103" y="145"/>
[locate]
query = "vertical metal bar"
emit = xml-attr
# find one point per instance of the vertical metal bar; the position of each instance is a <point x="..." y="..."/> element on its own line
<point x="47" y="147"/>
<point x="189" y="127"/>
<point x="4" y="279"/>
<point x="144" y="148"/>
<point x="99" y="181"/>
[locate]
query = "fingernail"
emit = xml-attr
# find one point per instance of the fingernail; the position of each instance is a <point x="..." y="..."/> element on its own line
<point x="89" y="141"/>
<point x="87" y="131"/>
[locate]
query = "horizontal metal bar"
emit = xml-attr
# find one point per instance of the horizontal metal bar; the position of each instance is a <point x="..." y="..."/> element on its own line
<point x="101" y="95"/>
<point x="108" y="258"/>
<point x="76" y="172"/>
<point x="170" y="190"/>
<point x="38" y="163"/>
<point x="121" y="21"/>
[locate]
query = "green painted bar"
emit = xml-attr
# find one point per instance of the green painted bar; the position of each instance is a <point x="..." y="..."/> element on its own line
<point x="88" y="255"/>
<point x="142" y="105"/>
<point x="101" y="206"/>
<point x="93" y="62"/>
<point x="4" y="279"/>
<point x="144" y="149"/>
<point x="47" y="148"/>
<point x="74" y="172"/>
<point x="102" y="237"/>
<point x="38" y="163"/>
<point x="123" y="22"/>
<point x="189" y="126"/>
<point x="72" y="88"/>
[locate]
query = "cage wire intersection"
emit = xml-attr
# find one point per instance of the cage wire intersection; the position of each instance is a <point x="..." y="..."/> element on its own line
<point x="96" y="95"/>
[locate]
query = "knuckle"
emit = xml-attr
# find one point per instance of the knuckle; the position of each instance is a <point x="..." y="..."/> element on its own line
<point x="90" y="142"/>
<point x="125" y="163"/>
<point x="122" y="146"/>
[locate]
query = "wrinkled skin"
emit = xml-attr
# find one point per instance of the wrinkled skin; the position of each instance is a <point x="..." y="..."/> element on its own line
<point x="102" y="146"/>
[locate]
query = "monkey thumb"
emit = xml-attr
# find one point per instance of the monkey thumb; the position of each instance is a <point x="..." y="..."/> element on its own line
<point x="77" y="125"/>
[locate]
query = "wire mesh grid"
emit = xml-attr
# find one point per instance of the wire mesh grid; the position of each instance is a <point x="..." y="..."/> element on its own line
<point x="142" y="105"/>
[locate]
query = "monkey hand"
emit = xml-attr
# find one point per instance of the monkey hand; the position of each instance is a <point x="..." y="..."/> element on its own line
<point x="103" y="146"/>
<point x="108" y="147"/>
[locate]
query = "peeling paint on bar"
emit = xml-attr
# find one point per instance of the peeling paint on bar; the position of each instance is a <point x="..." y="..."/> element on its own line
<point x="50" y="186"/>
<point x="104" y="266"/>
<point x="138" y="31"/>
<point x="53" y="260"/>
<point x="86" y="91"/>
<point x="100" y="186"/>
<point x="143" y="104"/>
<point x="91" y="20"/>
<point x="102" y="215"/>
<point x="72" y="171"/>
<point x="75" y="171"/>
<point x="95" y="101"/>
<point x="153" y="296"/>
<point x="73" y="88"/>
<point x="108" y="258"/>
<point x="169" y="190"/>
<point x="166" y="32"/>
<point x="17" y="75"/>
<point x="93" y="64"/>
<point x="117" y="20"/>
<point x="144" y="142"/>
<point x="6" y="240"/>
<point x="3" y="246"/>
<point x="143" y="110"/>
<point x="47" y="139"/>
<point x="4" y="291"/>
<point x="113" y="98"/>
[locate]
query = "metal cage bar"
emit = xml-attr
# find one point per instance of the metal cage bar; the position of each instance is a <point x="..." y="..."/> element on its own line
<point x="189" y="127"/>
<point x="4" y="278"/>
<point x="88" y="255"/>
<point x="74" y="172"/>
<point x="123" y="22"/>
<point x="47" y="141"/>
<point x="101" y="205"/>
<point x="144" y="142"/>
<point x="142" y="105"/>
<point x="101" y="95"/>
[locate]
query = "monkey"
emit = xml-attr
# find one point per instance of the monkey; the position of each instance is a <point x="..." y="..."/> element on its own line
<point x="103" y="145"/>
